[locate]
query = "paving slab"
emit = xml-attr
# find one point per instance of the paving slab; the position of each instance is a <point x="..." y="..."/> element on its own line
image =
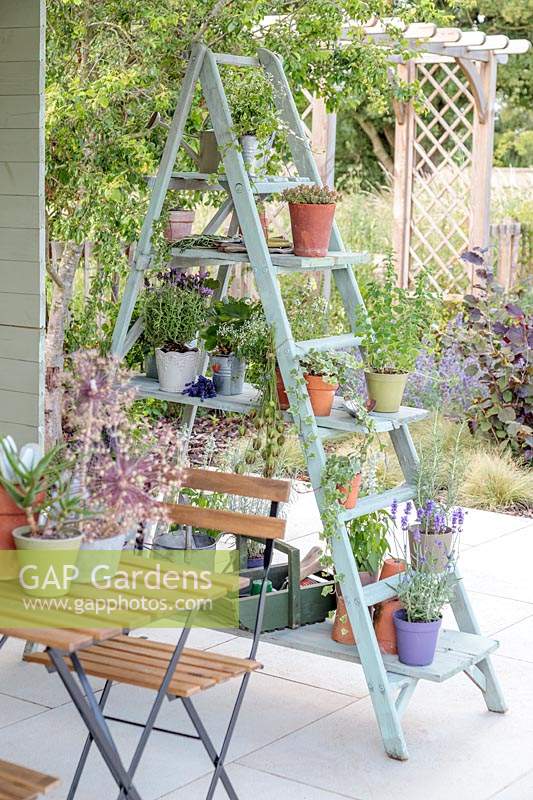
<point x="13" y="710"/>
<point x="500" y="567"/>
<point x="457" y="748"/>
<point x="522" y="789"/>
<point x="493" y="613"/>
<point x="250" y="783"/>
<point x="516" y="641"/>
<point x="485" y="526"/>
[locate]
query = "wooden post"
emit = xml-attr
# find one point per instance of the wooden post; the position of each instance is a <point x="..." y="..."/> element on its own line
<point x="505" y="239"/>
<point x="403" y="177"/>
<point x="482" y="151"/>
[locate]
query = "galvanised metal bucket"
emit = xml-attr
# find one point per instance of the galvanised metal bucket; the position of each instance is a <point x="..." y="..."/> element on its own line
<point x="228" y="374"/>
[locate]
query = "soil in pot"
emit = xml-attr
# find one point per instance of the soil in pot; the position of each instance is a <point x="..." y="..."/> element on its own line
<point x="311" y="225"/>
<point x="342" y="631"/>
<point x="384" y="612"/>
<point x="100" y="553"/>
<point x="228" y="374"/>
<point x="321" y="395"/>
<point x="176" y="369"/>
<point x="50" y="563"/>
<point x="351" y="492"/>
<point x="283" y="398"/>
<point x="180" y="222"/>
<point x="433" y="547"/>
<point x="386" y="390"/>
<point x="417" y="641"/>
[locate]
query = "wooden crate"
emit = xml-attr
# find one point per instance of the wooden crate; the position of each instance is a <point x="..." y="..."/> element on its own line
<point x="290" y="607"/>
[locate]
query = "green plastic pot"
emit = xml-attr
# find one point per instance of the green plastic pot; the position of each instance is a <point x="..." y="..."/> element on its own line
<point x="386" y="389"/>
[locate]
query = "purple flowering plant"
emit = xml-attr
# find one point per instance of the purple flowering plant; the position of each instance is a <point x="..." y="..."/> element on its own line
<point x="120" y="470"/>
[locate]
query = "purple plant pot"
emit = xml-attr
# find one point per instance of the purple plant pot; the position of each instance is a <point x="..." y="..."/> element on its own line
<point x="417" y="641"/>
<point x="255" y="562"/>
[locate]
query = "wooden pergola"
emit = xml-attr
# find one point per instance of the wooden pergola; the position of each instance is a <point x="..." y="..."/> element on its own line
<point x="443" y="153"/>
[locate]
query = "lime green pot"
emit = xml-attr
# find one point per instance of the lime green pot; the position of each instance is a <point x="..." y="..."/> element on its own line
<point x="386" y="389"/>
<point x="46" y="566"/>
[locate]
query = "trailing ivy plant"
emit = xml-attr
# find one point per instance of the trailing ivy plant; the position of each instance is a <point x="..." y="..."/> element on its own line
<point x="499" y="331"/>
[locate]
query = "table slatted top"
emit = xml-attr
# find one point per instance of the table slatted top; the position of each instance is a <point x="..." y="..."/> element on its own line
<point x="19" y="783"/>
<point x="68" y="632"/>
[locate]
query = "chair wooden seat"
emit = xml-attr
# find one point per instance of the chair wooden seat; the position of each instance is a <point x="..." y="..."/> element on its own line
<point x="19" y="783"/>
<point x="143" y="662"/>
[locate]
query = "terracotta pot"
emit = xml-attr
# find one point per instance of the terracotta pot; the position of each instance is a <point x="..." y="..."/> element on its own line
<point x="384" y="612"/>
<point x="321" y="395"/>
<point x="11" y="517"/>
<point x="283" y="399"/>
<point x="311" y="225"/>
<point x="180" y="222"/>
<point x="263" y="219"/>
<point x="351" y="491"/>
<point x="386" y="390"/>
<point x="342" y="631"/>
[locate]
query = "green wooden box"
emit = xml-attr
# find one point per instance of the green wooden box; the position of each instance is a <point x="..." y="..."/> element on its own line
<point x="286" y="608"/>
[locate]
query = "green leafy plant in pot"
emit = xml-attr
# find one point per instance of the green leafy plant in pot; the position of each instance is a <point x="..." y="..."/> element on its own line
<point x="391" y="331"/>
<point x="255" y="117"/>
<point x="368" y="540"/>
<point x="225" y="342"/>
<point x="47" y="546"/>
<point x="323" y="372"/>
<point x="311" y="209"/>
<point x="173" y="314"/>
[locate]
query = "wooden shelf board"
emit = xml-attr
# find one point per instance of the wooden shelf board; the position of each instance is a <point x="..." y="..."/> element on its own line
<point x="339" y="420"/>
<point x="456" y="651"/>
<point x="203" y="182"/>
<point x="284" y="262"/>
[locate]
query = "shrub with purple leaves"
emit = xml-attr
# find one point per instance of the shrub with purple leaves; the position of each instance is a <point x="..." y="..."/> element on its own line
<point x="499" y="332"/>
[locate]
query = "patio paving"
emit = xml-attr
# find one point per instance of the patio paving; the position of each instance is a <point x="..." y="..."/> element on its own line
<point x="307" y="731"/>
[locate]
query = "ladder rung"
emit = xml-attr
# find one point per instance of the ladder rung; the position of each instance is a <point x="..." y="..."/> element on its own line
<point x="329" y="343"/>
<point x="236" y="61"/>
<point x="377" y="501"/>
<point x="381" y="590"/>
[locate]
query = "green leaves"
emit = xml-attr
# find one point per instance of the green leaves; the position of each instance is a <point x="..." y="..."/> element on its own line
<point x="399" y="319"/>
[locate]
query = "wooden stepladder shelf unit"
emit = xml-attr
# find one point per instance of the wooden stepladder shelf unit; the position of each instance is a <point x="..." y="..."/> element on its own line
<point x="389" y="683"/>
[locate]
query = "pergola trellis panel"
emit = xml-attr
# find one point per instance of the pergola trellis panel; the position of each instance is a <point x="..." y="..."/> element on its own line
<point x="443" y="154"/>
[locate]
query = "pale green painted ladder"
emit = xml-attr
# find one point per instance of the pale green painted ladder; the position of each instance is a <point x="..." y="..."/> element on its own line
<point x="390" y="683"/>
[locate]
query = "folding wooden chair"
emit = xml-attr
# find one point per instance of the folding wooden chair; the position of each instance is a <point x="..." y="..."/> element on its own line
<point x="180" y="672"/>
<point x="19" y="783"/>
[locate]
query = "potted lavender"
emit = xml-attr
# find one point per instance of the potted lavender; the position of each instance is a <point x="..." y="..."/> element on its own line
<point x="423" y="593"/>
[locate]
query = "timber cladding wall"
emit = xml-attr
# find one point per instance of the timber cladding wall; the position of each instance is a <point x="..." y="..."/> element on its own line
<point x="22" y="230"/>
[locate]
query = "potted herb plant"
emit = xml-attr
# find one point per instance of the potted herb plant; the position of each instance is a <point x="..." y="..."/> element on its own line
<point x="392" y="339"/>
<point x="311" y="209"/>
<point x="423" y="593"/>
<point x="368" y="540"/>
<point x="435" y="531"/>
<point x="173" y="313"/>
<point x="254" y="114"/>
<point x="223" y="340"/>
<point x="323" y="372"/>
